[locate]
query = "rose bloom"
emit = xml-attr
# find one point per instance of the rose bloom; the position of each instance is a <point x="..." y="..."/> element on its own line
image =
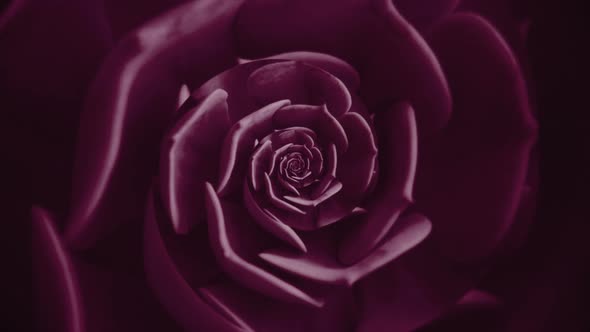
<point x="350" y="165"/>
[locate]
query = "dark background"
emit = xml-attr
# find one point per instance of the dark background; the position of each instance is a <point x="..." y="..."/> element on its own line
<point x="551" y="273"/>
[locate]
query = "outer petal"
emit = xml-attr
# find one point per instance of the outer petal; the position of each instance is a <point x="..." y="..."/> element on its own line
<point x="189" y="158"/>
<point x="300" y="83"/>
<point x="319" y="265"/>
<point x="239" y="269"/>
<point x="188" y="307"/>
<point x="411" y="292"/>
<point x="49" y="52"/>
<point x="333" y="65"/>
<point x="397" y="160"/>
<point x="55" y="279"/>
<point x="423" y="13"/>
<point x="393" y="60"/>
<point x="471" y="178"/>
<point x="130" y="103"/>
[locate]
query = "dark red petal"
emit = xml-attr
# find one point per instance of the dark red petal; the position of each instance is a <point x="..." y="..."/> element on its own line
<point x="397" y="160"/>
<point x="333" y="65"/>
<point x="300" y="83"/>
<point x="190" y="154"/>
<point x="270" y="222"/>
<point x="423" y="13"/>
<point x="241" y="270"/>
<point x="185" y="305"/>
<point x="259" y="164"/>
<point x="334" y="188"/>
<point x="394" y="62"/>
<point x="317" y="118"/>
<point x="471" y="178"/>
<point x="320" y="266"/>
<point x="356" y="166"/>
<point x="278" y="202"/>
<point x="131" y="102"/>
<point x="55" y="278"/>
<point x="238" y="145"/>
<point x="405" y="295"/>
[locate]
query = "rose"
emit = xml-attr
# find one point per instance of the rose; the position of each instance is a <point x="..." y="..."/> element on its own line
<point x="137" y="87"/>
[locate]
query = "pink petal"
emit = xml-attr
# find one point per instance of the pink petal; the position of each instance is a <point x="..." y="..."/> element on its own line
<point x="397" y="160"/>
<point x="394" y="62"/>
<point x="356" y="166"/>
<point x="239" y="269"/>
<point x="189" y="158"/>
<point x="471" y="178"/>
<point x="259" y="164"/>
<point x="300" y="83"/>
<point x="270" y="222"/>
<point x="238" y="143"/>
<point x="55" y="278"/>
<point x="424" y="13"/>
<point x="317" y="118"/>
<point x="186" y="306"/>
<point x="135" y="92"/>
<point x="320" y="266"/>
<point x="333" y="65"/>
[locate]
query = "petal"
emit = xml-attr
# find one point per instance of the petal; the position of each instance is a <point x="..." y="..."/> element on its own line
<point x="242" y="271"/>
<point x="128" y="15"/>
<point x="186" y="306"/>
<point x="276" y="201"/>
<point x="300" y="83"/>
<point x="238" y="143"/>
<point x="423" y="14"/>
<point x="55" y="278"/>
<point x="334" y="187"/>
<point x="259" y="164"/>
<point x="317" y="265"/>
<point x="129" y="106"/>
<point x="333" y="65"/>
<point x="270" y="222"/>
<point x="356" y="166"/>
<point x="397" y="160"/>
<point x="419" y="287"/>
<point x="46" y="71"/>
<point x="189" y="158"/>
<point x="317" y="118"/>
<point x="395" y="61"/>
<point x="471" y="178"/>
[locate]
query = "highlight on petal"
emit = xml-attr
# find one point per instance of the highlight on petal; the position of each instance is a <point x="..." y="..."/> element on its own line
<point x="270" y="222"/>
<point x="189" y="157"/>
<point x="239" y="269"/>
<point x="397" y="160"/>
<point x="333" y="65"/>
<point x="132" y="100"/>
<point x="394" y="60"/>
<point x="422" y="14"/>
<point x="183" y="95"/>
<point x="55" y="278"/>
<point x="322" y="267"/>
<point x="186" y="306"/>
<point x="300" y="83"/>
<point x="238" y="143"/>
<point x="356" y="167"/>
<point x="486" y="147"/>
<point x="317" y="118"/>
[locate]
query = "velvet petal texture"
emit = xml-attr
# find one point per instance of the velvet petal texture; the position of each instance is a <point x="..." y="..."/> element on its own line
<point x="423" y="13"/>
<point x="187" y="306"/>
<point x="486" y="145"/>
<point x="398" y="157"/>
<point x="394" y="62"/>
<point x="129" y="104"/>
<point x="220" y="218"/>
<point x="55" y="279"/>
<point x="320" y="266"/>
<point x="189" y="158"/>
